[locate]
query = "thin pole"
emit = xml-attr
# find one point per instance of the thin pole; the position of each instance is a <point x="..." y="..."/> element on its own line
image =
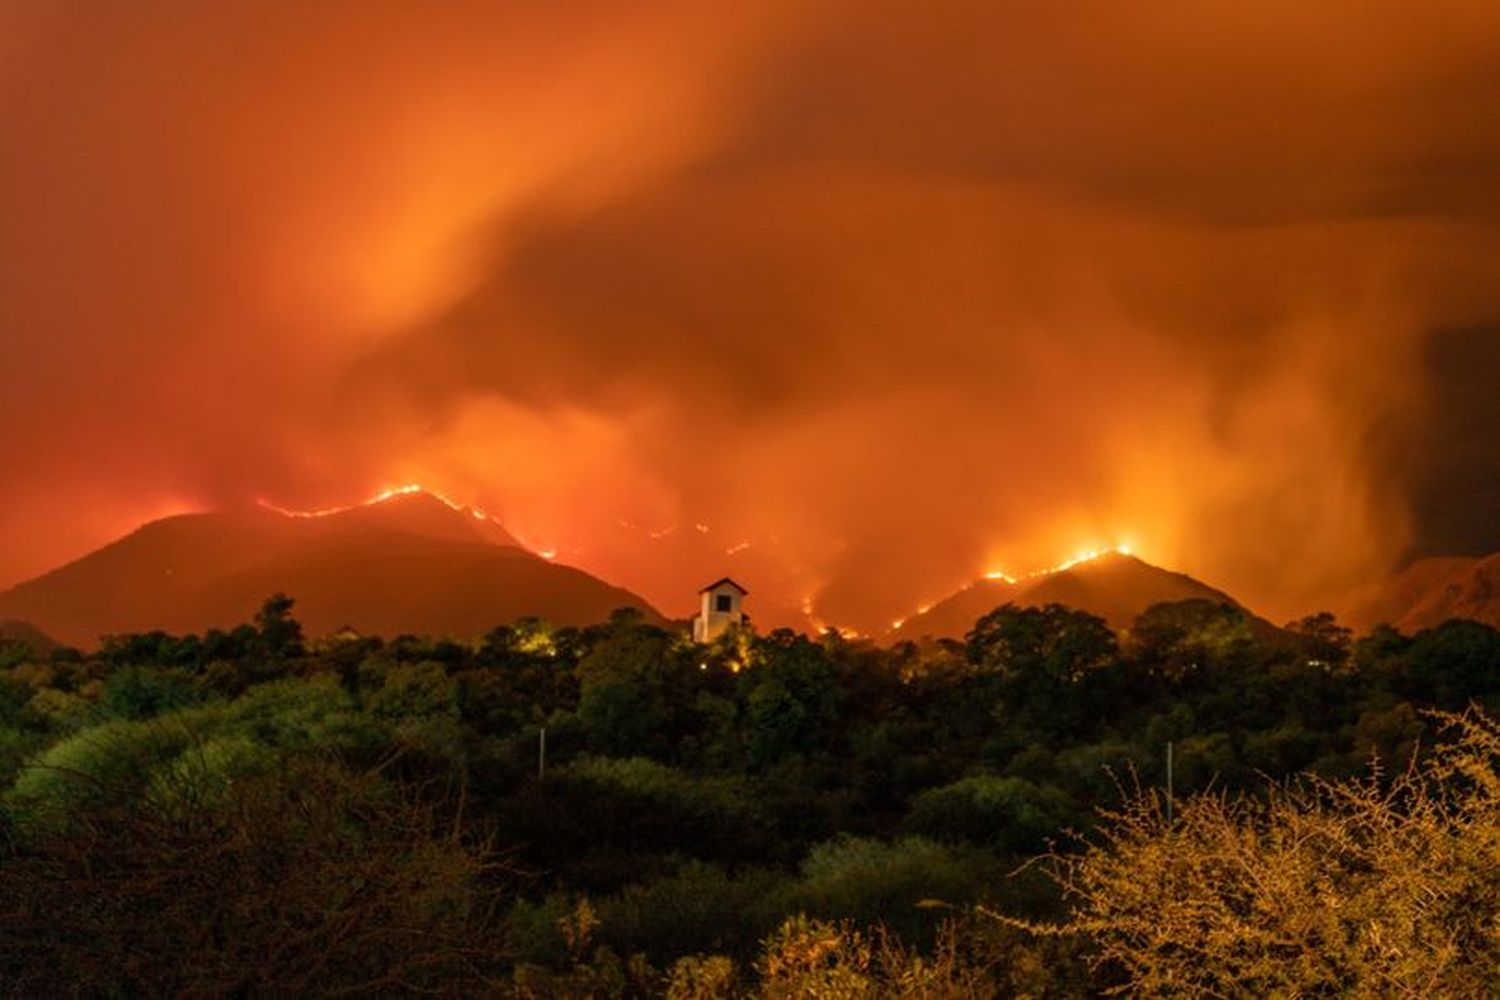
<point x="541" y="753"/>
<point x="1169" y="782"/>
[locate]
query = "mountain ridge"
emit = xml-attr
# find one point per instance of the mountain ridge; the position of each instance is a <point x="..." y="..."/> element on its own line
<point x="1429" y="591"/>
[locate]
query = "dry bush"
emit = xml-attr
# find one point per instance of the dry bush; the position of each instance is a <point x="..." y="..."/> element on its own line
<point x="817" y="960"/>
<point x="1370" y="888"/>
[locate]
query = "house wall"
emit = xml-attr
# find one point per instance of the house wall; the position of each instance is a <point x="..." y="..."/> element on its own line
<point x="711" y="624"/>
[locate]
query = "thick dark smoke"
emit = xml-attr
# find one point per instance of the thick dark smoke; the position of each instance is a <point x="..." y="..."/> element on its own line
<point x="894" y="294"/>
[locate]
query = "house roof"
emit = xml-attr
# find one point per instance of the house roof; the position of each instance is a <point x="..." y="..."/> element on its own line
<point x="719" y="583"/>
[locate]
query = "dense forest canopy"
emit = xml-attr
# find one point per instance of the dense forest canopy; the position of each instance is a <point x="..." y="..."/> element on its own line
<point x="616" y="810"/>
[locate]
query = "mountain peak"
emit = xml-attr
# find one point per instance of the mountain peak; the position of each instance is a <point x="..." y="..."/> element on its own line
<point x="1112" y="584"/>
<point x="408" y="560"/>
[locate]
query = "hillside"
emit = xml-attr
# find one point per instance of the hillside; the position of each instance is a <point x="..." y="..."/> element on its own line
<point x="1430" y="591"/>
<point x="1114" y="586"/>
<point x="410" y="563"/>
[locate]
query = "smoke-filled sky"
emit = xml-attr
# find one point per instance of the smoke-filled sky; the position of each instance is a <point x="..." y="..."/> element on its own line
<point x="895" y="293"/>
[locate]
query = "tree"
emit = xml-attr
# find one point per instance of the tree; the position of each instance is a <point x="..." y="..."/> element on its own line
<point x="280" y="635"/>
<point x="1322" y="639"/>
<point x="629" y="685"/>
<point x="1038" y="658"/>
<point x="1054" y="642"/>
<point x="792" y="695"/>
<point x="1193" y="642"/>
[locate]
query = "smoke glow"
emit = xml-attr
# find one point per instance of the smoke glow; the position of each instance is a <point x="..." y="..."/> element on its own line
<point x="858" y="302"/>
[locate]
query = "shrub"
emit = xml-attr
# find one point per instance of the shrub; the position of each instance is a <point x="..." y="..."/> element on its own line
<point x="1012" y="814"/>
<point x="697" y="908"/>
<point x="870" y="881"/>
<point x="143" y="692"/>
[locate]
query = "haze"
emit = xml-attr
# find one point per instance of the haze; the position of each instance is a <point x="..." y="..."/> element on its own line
<point x="854" y="301"/>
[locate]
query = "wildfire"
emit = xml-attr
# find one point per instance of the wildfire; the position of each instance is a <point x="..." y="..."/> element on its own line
<point x="1078" y="558"/>
<point x="1088" y="555"/>
<point x="406" y="489"/>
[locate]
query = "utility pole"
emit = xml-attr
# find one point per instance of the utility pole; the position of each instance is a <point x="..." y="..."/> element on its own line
<point x="541" y="753"/>
<point x="1169" y="782"/>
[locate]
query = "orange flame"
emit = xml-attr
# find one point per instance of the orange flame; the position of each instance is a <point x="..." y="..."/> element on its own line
<point x="406" y="489"/>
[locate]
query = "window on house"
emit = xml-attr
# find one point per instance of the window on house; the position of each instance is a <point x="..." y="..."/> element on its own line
<point x="723" y="602"/>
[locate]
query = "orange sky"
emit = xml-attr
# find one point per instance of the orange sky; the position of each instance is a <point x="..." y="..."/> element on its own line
<point x="893" y="293"/>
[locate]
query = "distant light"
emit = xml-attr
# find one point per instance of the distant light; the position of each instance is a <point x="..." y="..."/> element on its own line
<point x="548" y="553"/>
<point x="1124" y="550"/>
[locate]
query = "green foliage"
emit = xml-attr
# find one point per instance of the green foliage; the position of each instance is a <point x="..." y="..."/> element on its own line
<point x="1040" y="662"/>
<point x="637" y="803"/>
<point x="625" y="695"/>
<point x="1184" y="638"/>
<point x="694" y="797"/>
<point x="1055" y="643"/>
<point x="415" y="691"/>
<point x="59" y="711"/>
<point x="794" y="697"/>
<point x="697" y="908"/>
<point x="143" y="692"/>
<point x="872" y="881"/>
<point x="14" y="652"/>
<point x="15" y="693"/>
<point x="92" y="769"/>
<point x="1011" y="814"/>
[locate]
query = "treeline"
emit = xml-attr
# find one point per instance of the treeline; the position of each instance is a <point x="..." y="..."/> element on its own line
<point x="617" y="811"/>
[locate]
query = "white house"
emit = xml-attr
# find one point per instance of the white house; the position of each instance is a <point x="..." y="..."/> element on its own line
<point x="723" y="607"/>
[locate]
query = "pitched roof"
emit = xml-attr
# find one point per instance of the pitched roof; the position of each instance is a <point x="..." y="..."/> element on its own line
<point x="718" y="583"/>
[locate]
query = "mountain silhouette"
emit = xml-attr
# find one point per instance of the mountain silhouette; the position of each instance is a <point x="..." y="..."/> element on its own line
<point x="1114" y="586"/>
<point x="409" y="563"/>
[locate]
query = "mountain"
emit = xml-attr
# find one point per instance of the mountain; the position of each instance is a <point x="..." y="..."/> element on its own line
<point x="407" y="562"/>
<point x="1430" y="591"/>
<point x="1114" y="586"/>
